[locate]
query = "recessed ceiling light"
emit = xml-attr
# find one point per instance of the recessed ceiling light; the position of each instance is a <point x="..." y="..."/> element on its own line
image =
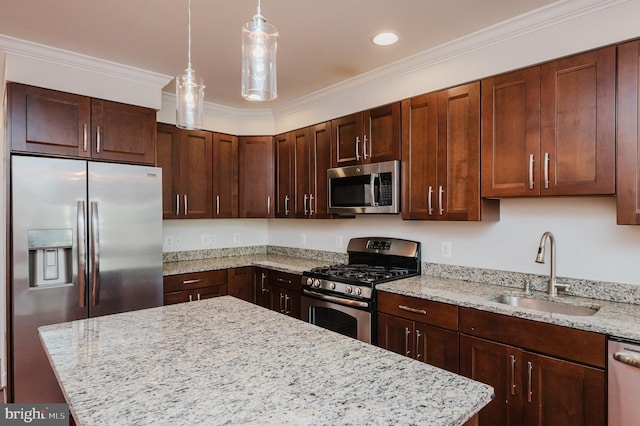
<point x="385" y="39"/>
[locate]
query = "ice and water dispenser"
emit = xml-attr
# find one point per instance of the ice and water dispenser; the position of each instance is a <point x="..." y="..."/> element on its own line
<point x="50" y="257"/>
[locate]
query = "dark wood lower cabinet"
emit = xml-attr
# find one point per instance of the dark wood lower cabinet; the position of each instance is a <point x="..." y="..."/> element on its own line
<point x="532" y="388"/>
<point x="241" y="283"/>
<point x="278" y="291"/>
<point x="194" y="286"/>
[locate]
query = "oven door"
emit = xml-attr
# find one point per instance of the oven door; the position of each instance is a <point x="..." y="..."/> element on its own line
<point x="332" y="315"/>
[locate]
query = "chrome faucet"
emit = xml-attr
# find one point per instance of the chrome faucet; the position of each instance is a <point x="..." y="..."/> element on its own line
<point x="553" y="285"/>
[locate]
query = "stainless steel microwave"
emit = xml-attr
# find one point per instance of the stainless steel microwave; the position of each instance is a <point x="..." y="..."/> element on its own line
<point x="366" y="188"/>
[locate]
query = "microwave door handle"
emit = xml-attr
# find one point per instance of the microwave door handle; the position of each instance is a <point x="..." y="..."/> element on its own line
<point x="372" y="189"/>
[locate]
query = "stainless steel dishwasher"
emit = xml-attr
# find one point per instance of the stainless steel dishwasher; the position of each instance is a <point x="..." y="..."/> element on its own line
<point x="624" y="382"/>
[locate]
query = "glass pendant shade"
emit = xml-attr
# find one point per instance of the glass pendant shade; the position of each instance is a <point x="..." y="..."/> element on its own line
<point x="189" y="100"/>
<point x="259" y="45"/>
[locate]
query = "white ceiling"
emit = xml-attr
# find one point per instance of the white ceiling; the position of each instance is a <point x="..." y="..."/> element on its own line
<point x="321" y="42"/>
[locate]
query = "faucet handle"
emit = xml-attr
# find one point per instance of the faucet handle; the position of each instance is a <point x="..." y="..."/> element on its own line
<point x="527" y="286"/>
<point x="562" y="286"/>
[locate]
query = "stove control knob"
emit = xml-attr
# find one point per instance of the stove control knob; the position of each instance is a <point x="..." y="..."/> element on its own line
<point x="358" y="291"/>
<point x="332" y="285"/>
<point x="309" y="281"/>
<point x="316" y="283"/>
<point x="348" y="289"/>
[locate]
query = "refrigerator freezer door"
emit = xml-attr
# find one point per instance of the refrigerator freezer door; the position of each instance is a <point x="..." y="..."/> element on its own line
<point x="125" y="238"/>
<point x="47" y="196"/>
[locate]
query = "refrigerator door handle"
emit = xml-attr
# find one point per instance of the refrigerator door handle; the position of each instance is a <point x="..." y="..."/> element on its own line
<point x="95" y="255"/>
<point x="82" y="259"/>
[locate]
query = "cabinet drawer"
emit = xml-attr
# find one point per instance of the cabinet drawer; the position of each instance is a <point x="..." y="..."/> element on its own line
<point x="194" y="280"/>
<point x="575" y="345"/>
<point x="285" y="280"/>
<point x="420" y="310"/>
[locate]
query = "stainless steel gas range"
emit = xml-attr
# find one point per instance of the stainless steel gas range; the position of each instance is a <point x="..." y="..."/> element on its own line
<point x="342" y="297"/>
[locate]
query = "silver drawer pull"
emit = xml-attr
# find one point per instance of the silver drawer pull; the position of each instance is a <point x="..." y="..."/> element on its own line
<point x="281" y="280"/>
<point x="414" y="310"/>
<point x="187" y="282"/>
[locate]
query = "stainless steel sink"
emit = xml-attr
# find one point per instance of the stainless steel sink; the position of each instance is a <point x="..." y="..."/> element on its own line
<point x="546" y="305"/>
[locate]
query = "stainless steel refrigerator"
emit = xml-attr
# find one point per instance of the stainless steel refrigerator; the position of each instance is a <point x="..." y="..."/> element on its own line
<point x="86" y="240"/>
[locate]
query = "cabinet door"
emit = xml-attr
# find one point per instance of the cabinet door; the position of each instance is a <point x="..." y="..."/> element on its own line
<point x="458" y="187"/>
<point x="285" y="301"/>
<point x="168" y="158"/>
<point x="511" y="134"/>
<point x="561" y="393"/>
<point x="176" y="297"/>
<point x="48" y="122"/>
<point x="396" y="334"/>
<point x="436" y="346"/>
<point x="319" y="163"/>
<point x="419" y="156"/>
<point x="284" y="175"/>
<point x="263" y="290"/>
<point x="210" y="292"/>
<point x="500" y="366"/>
<point x="381" y="141"/>
<point x="225" y="176"/>
<point x="124" y="133"/>
<point x="347" y="138"/>
<point x="578" y="124"/>
<point x="628" y="134"/>
<point x="241" y="283"/>
<point x="302" y="189"/>
<point x="196" y="171"/>
<point x="255" y="176"/>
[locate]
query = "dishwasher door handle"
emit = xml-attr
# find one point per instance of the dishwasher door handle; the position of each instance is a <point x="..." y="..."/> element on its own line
<point x="628" y="358"/>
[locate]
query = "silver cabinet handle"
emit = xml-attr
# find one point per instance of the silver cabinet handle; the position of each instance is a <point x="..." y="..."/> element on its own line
<point x="429" y="200"/>
<point x="281" y="299"/>
<point x="440" y="192"/>
<point x="98" y="139"/>
<point x="217" y="205"/>
<point x="95" y="254"/>
<point x="286" y="205"/>
<point x="310" y="204"/>
<point x="418" y="354"/>
<point x="198" y="296"/>
<point x="84" y="137"/>
<point x="529" y="378"/>
<point x="190" y="298"/>
<point x="177" y="204"/>
<point x="186" y="209"/>
<point x="358" y="148"/>
<point x="188" y="282"/>
<point x="268" y="205"/>
<point x="628" y="358"/>
<point x="406" y="341"/>
<point x="306" y="199"/>
<point x="281" y="280"/>
<point x="263" y="278"/>
<point x="513" y="375"/>
<point x="413" y="310"/>
<point x="530" y="171"/>
<point x="364" y="147"/>
<point x="286" y="304"/>
<point x="82" y="260"/>
<point x="546" y="170"/>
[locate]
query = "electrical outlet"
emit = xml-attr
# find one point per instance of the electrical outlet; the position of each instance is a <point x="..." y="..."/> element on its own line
<point x="205" y="240"/>
<point x="212" y="240"/>
<point x="236" y="237"/>
<point x="303" y="239"/>
<point x="168" y="241"/>
<point x="445" y="248"/>
<point x="177" y="242"/>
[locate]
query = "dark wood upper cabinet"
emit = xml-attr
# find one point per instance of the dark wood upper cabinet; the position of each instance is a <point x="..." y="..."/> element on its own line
<point x="225" y="176"/>
<point x="304" y="198"/>
<point x="319" y="163"/>
<point x="367" y="137"/>
<point x="256" y="176"/>
<point x="284" y="175"/>
<point x="441" y="157"/>
<point x="549" y="129"/>
<point x="628" y="154"/>
<point x="186" y="159"/>
<point x="49" y="122"/>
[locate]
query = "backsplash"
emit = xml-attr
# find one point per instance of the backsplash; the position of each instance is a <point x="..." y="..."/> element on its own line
<point x="600" y="290"/>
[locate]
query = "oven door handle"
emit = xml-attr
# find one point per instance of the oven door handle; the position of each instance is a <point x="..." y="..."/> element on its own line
<point x="338" y="300"/>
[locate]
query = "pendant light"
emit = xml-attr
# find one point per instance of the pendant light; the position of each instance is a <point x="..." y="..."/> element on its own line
<point x="259" y="45"/>
<point x="189" y="94"/>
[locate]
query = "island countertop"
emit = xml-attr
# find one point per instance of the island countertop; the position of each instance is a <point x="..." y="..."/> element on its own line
<point x="226" y="361"/>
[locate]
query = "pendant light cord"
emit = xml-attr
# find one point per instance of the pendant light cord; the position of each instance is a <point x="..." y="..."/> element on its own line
<point x="189" y="26"/>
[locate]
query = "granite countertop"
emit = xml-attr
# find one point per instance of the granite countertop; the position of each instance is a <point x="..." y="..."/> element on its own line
<point x="271" y="261"/>
<point x="614" y="319"/>
<point x="226" y="361"/>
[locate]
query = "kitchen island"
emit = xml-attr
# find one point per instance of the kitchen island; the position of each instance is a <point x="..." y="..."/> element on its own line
<point x="226" y="361"/>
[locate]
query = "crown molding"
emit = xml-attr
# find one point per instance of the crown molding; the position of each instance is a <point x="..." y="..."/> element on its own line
<point x="501" y="33"/>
